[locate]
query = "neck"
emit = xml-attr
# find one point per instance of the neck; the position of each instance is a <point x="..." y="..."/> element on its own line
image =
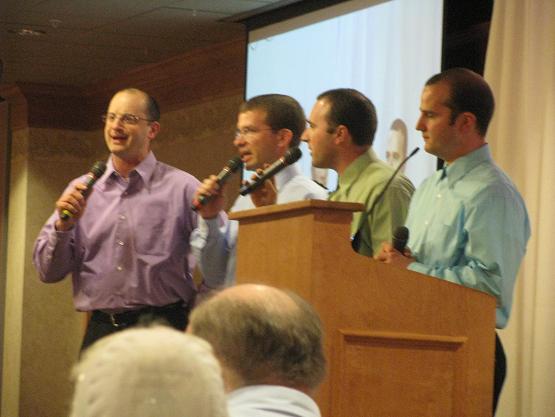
<point x="124" y="166"/>
<point x="472" y="146"/>
<point x="348" y="158"/>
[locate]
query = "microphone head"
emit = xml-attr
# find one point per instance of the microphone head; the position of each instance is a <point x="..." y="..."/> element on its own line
<point x="400" y="238"/>
<point x="292" y="155"/>
<point x="98" y="169"/>
<point x="235" y="163"/>
<point x="401" y="233"/>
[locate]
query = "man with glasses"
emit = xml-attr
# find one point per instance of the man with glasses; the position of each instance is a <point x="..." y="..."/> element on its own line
<point x="127" y="245"/>
<point x="340" y="134"/>
<point x="267" y="126"/>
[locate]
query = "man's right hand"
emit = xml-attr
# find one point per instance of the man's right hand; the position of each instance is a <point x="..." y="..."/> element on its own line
<point x="210" y="188"/>
<point x="72" y="202"/>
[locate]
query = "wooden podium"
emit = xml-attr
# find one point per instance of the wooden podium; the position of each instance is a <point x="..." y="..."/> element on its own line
<point x="398" y="343"/>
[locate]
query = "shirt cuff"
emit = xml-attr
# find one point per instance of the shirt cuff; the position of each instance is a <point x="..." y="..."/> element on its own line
<point x="418" y="267"/>
<point x="209" y="227"/>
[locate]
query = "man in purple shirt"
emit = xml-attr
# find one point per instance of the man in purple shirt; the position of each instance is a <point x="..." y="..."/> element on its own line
<point x="127" y="244"/>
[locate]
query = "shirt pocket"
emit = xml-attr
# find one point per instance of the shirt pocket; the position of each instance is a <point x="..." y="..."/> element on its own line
<point x="449" y="228"/>
<point x="153" y="232"/>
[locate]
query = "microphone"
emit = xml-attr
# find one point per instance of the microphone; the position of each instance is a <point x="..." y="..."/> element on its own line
<point x="232" y="166"/>
<point x="400" y="238"/>
<point x="95" y="173"/>
<point x="291" y="156"/>
<point x="356" y="239"/>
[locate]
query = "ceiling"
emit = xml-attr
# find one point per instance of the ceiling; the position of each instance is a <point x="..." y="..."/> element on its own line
<point x="86" y="41"/>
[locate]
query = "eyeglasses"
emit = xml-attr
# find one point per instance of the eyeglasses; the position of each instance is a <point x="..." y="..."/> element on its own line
<point x="249" y="131"/>
<point x="126" y="118"/>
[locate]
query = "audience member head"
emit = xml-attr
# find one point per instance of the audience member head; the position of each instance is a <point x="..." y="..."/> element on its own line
<point x="267" y="126"/>
<point x="262" y="336"/>
<point x="145" y="372"/>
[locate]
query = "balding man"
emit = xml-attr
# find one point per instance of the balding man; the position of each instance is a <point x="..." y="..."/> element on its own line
<point x="127" y="246"/>
<point x="269" y="343"/>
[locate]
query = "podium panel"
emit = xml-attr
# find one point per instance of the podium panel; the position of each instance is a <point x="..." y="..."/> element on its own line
<point x="398" y="343"/>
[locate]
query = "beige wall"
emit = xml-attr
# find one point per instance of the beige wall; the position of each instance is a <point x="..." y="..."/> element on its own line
<point x="42" y="330"/>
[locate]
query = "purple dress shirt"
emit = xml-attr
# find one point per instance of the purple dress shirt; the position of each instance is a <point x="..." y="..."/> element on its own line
<point x="131" y="246"/>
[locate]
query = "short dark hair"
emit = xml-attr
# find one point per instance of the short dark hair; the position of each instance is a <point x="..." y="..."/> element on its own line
<point x="152" y="108"/>
<point x="351" y="108"/>
<point x="282" y="112"/>
<point x="262" y="340"/>
<point x="469" y="92"/>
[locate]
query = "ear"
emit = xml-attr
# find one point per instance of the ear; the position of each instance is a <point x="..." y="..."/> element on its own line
<point x="153" y="130"/>
<point x="342" y="135"/>
<point x="467" y="122"/>
<point x="285" y="136"/>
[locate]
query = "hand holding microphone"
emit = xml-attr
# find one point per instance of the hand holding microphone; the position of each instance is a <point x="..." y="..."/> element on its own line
<point x="290" y="157"/>
<point x="71" y="205"/>
<point x="208" y="199"/>
<point x="396" y="252"/>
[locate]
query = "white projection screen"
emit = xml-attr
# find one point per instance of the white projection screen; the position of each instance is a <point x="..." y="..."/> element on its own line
<point x="385" y="49"/>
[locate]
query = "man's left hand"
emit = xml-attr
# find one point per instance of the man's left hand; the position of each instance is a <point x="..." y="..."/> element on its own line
<point x="266" y="194"/>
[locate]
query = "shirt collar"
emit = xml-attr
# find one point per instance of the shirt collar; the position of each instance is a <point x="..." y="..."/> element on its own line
<point x="286" y="174"/>
<point x="353" y="170"/>
<point x="461" y="166"/>
<point x="145" y="169"/>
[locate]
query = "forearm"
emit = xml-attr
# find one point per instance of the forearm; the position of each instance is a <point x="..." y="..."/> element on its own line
<point x="210" y="246"/>
<point x="472" y="274"/>
<point x="53" y="254"/>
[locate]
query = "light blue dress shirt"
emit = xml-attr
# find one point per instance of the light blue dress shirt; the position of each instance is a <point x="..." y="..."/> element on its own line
<point x="214" y="247"/>
<point x="270" y="401"/>
<point x="468" y="225"/>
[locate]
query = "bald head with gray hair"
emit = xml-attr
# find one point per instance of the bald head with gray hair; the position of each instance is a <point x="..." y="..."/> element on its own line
<point x="262" y="335"/>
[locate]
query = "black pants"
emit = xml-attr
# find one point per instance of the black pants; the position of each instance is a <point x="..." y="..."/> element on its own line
<point x="500" y="370"/>
<point x="102" y="324"/>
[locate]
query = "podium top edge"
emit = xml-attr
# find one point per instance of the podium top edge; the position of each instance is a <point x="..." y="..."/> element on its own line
<point x="303" y="205"/>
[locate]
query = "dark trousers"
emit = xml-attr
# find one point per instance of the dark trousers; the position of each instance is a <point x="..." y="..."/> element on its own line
<point x="103" y="324"/>
<point x="500" y="370"/>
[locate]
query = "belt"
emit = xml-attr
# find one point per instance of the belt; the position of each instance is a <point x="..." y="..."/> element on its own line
<point x="131" y="317"/>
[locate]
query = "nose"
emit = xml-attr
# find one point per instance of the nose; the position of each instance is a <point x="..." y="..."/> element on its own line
<point x="238" y="141"/>
<point x="420" y="125"/>
<point x="305" y="136"/>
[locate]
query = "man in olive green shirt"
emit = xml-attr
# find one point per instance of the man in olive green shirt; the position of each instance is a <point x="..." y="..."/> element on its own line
<point x="340" y="133"/>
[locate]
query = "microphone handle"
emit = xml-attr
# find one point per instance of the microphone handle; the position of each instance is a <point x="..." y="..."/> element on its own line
<point x="221" y="179"/>
<point x="268" y="173"/>
<point x="66" y="214"/>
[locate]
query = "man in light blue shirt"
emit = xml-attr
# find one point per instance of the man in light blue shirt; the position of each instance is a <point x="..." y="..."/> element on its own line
<point x="468" y="223"/>
<point x="267" y="127"/>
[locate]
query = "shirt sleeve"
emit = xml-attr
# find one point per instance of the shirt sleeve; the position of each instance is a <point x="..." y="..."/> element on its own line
<point x="212" y="245"/>
<point x="54" y="252"/>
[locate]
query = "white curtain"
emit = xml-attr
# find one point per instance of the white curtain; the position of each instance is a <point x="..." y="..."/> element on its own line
<point x="520" y="67"/>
